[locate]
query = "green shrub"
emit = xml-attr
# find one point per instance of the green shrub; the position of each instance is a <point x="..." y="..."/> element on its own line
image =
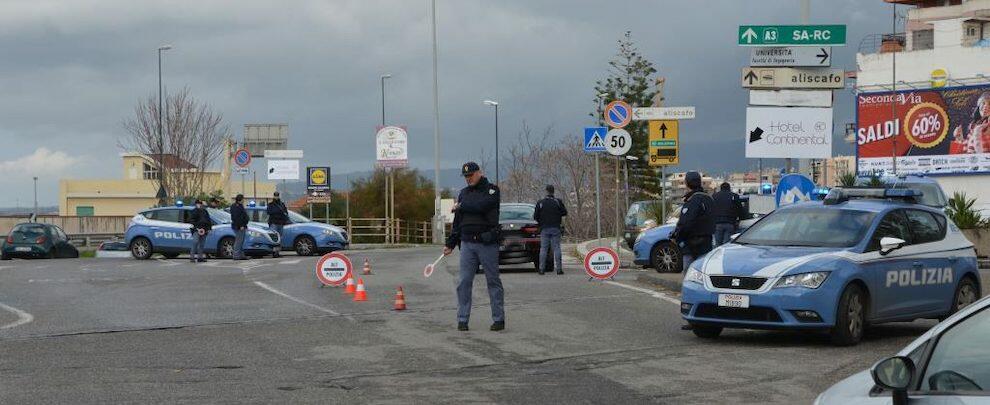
<point x="960" y="210"/>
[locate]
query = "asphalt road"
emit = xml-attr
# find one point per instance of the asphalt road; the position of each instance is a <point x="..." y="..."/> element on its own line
<point x="263" y="331"/>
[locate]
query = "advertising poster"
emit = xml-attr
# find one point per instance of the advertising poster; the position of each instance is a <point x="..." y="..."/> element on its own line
<point x="936" y="131"/>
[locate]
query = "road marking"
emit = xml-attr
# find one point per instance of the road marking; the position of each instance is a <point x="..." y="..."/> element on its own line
<point x="297" y="261"/>
<point x="296" y="300"/>
<point x="22" y="317"/>
<point x="655" y="294"/>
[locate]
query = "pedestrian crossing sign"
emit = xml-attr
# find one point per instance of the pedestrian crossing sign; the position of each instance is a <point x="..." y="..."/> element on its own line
<point x="594" y="139"/>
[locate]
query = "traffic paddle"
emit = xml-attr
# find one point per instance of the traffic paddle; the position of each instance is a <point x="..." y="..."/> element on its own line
<point x="428" y="270"/>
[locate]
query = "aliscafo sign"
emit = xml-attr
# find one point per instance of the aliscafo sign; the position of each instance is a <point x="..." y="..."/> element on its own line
<point x="788" y="78"/>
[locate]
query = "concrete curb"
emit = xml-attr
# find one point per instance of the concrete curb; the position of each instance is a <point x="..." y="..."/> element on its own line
<point x="668" y="281"/>
<point x="626" y="256"/>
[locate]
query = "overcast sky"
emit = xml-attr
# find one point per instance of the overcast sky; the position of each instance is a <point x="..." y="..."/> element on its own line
<point x="71" y="72"/>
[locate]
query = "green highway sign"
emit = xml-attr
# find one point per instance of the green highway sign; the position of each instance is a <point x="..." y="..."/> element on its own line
<point x="792" y="35"/>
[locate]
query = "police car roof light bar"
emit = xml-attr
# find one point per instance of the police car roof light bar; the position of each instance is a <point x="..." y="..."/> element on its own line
<point x="841" y="195"/>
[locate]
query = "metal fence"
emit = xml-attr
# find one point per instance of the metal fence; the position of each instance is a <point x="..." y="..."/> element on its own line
<point x="72" y="225"/>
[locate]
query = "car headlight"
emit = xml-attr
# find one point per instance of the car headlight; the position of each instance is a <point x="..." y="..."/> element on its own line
<point x="694" y="276"/>
<point x="332" y="232"/>
<point x="254" y="234"/>
<point x="806" y="280"/>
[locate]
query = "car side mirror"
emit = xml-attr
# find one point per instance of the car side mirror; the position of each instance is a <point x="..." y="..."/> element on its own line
<point x="889" y="244"/>
<point x="894" y="374"/>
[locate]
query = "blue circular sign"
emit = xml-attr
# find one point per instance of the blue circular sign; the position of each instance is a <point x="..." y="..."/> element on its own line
<point x="794" y="188"/>
<point x="242" y="157"/>
<point x="618" y="114"/>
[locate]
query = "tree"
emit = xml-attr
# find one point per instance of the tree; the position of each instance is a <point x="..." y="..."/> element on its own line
<point x="193" y="133"/>
<point x="630" y="79"/>
<point x="413" y="196"/>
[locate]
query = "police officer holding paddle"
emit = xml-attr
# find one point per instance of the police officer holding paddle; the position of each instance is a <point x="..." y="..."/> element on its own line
<point x="476" y="231"/>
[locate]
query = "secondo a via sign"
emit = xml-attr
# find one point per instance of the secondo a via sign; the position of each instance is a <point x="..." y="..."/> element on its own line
<point x="601" y="263"/>
<point x="333" y="269"/>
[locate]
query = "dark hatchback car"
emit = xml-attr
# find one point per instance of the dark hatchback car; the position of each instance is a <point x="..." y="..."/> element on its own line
<point x="520" y="236"/>
<point x="34" y="240"/>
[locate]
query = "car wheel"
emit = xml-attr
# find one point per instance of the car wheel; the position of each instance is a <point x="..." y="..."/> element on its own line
<point x="966" y="293"/>
<point x="850" y="320"/>
<point x="225" y="249"/>
<point x="4" y="257"/>
<point x="666" y="258"/>
<point x="141" y="248"/>
<point x="170" y="255"/>
<point x="305" y="246"/>
<point x="705" y="331"/>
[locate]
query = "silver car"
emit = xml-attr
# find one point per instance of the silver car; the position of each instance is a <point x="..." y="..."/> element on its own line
<point x="949" y="364"/>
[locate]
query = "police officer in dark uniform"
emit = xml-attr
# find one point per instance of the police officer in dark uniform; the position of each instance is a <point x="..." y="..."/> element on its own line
<point x="548" y="215"/>
<point x="696" y="224"/>
<point x="476" y="231"/>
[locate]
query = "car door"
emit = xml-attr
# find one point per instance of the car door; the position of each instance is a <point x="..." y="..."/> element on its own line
<point x="171" y="233"/>
<point x="932" y="267"/>
<point x="890" y="298"/>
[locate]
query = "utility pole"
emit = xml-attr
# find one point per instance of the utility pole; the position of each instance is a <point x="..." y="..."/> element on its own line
<point x="894" y="128"/>
<point x="598" y="188"/>
<point x="388" y="172"/>
<point x="162" y="192"/>
<point x="35" y="198"/>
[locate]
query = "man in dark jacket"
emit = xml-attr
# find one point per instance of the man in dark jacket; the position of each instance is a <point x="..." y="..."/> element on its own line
<point x="278" y="218"/>
<point x="696" y="224"/>
<point x="201" y="225"/>
<point x="476" y="231"/>
<point x="727" y="211"/>
<point x="549" y="213"/>
<point x="239" y="221"/>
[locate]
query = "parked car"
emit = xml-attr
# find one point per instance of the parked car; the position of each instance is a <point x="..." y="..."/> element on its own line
<point x="520" y="236"/>
<point x="636" y="217"/>
<point x="949" y="364"/>
<point x="37" y="241"/>
<point x="304" y="235"/>
<point x="167" y="231"/>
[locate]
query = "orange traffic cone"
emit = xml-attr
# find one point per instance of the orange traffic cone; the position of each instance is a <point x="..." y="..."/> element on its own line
<point x="400" y="300"/>
<point x="360" y="294"/>
<point x="367" y="267"/>
<point x="349" y="285"/>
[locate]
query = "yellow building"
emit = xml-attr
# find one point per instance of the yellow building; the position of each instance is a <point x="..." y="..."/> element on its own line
<point x="137" y="190"/>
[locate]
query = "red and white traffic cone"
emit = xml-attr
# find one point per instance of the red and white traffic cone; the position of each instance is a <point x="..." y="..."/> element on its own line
<point x="360" y="294"/>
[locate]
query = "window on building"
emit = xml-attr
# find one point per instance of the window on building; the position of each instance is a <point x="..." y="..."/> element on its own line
<point x="85" y="211"/>
<point x="922" y="39"/>
<point x="150" y="172"/>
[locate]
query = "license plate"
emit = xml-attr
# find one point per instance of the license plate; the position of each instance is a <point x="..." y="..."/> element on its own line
<point x="22" y="249"/>
<point x="733" y="300"/>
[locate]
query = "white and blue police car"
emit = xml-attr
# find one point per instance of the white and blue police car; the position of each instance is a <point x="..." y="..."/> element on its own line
<point x="167" y="231"/>
<point x="863" y="256"/>
<point x="303" y="235"/>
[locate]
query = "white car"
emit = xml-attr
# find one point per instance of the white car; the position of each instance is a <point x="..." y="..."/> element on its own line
<point x="949" y="364"/>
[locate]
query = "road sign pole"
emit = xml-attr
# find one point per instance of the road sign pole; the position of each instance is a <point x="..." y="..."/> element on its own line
<point x="618" y="235"/>
<point x="598" y="199"/>
<point x="663" y="196"/>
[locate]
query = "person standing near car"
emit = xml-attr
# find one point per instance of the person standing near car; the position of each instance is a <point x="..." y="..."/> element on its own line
<point x="727" y="211"/>
<point x="549" y="213"/>
<point x="201" y="225"/>
<point x="278" y="218"/>
<point x="239" y="221"/>
<point x="696" y="224"/>
<point x="476" y="231"/>
<point x="214" y="203"/>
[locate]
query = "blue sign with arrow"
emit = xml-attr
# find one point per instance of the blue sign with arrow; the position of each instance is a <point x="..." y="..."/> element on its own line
<point x="794" y="188"/>
<point x="594" y="139"/>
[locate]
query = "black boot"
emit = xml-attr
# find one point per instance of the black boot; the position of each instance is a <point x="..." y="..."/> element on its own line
<point x="462" y="326"/>
<point x="497" y="326"/>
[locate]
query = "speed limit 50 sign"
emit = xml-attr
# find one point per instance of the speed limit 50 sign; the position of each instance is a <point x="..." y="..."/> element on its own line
<point x="618" y="141"/>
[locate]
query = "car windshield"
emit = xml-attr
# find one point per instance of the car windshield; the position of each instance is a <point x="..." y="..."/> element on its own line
<point x="516" y="212"/>
<point x="638" y="213"/>
<point x="930" y="193"/>
<point x="297" y="218"/>
<point x="809" y="227"/>
<point x="28" y="232"/>
<point x="218" y="216"/>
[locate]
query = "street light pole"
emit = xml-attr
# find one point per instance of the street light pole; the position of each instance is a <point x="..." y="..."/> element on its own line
<point x="438" y="227"/>
<point x="161" y="136"/>
<point x="598" y="188"/>
<point x="626" y="163"/>
<point x="35" y="198"/>
<point x="495" y="104"/>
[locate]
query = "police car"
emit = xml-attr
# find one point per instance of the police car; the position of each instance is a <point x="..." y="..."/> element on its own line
<point x="862" y="256"/>
<point x="303" y="235"/>
<point x="167" y="231"/>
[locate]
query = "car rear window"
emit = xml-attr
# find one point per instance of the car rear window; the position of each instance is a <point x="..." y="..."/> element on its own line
<point x="26" y="232"/>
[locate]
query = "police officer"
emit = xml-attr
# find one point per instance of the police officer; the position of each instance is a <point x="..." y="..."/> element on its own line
<point x="549" y="212"/>
<point x="696" y="224"/>
<point x="278" y="218"/>
<point x="239" y="221"/>
<point x="727" y="211"/>
<point x="201" y="225"/>
<point x="475" y="230"/>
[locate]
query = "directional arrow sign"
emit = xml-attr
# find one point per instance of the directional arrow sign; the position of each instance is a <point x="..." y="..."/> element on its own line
<point x="819" y="56"/>
<point x="788" y="78"/>
<point x="798" y="35"/>
<point x="663" y="113"/>
<point x="663" y="148"/>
